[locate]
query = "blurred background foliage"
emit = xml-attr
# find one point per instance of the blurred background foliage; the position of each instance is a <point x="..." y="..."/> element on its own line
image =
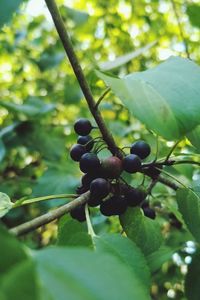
<point x="40" y="100"/>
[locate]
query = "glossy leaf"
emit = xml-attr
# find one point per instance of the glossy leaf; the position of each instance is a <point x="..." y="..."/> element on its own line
<point x="86" y="275"/>
<point x="32" y="107"/>
<point x="2" y="150"/>
<point x="7" y="8"/>
<point x="192" y="282"/>
<point x="56" y="181"/>
<point x="193" y="11"/>
<point x="164" y="101"/>
<point x="12" y="251"/>
<point x="5" y="204"/>
<point x="122" y="60"/>
<point x="126" y="251"/>
<point x="21" y="282"/>
<point x="77" y="16"/>
<point x="73" y="233"/>
<point x="194" y="137"/>
<point x="142" y="230"/>
<point x="34" y="137"/>
<point x="156" y="259"/>
<point x="189" y="206"/>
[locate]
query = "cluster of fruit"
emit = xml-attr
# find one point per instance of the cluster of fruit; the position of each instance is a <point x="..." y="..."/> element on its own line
<point x="102" y="178"/>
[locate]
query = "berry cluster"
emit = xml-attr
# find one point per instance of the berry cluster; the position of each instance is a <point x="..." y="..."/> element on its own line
<point x="103" y="178"/>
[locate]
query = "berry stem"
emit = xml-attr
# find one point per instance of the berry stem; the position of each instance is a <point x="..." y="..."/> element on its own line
<point x="23" y="201"/>
<point x="172" y="149"/>
<point x="89" y="224"/>
<point x="67" y="44"/>
<point x="102" y="97"/>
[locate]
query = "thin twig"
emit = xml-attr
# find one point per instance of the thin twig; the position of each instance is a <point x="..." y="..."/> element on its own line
<point x="60" y="26"/>
<point x="191" y="162"/>
<point x="49" y="217"/>
<point x="170" y="162"/>
<point x="172" y="150"/>
<point x="180" y="28"/>
<point x="102" y="97"/>
<point x="151" y="185"/>
<point x="168" y="183"/>
<point x="43" y="198"/>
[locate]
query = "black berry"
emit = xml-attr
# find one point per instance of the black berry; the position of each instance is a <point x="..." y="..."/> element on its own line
<point x="89" y="162"/>
<point x="87" y="179"/>
<point x="149" y="212"/>
<point x="134" y="197"/>
<point x="94" y="201"/>
<point x="112" y="167"/>
<point x="145" y="204"/>
<point x="115" y="205"/>
<point x="99" y="188"/>
<point x="78" y="213"/>
<point x="77" y="151"/>
<point x="140" y="148"/>
<point x="86" y="141"/>
<point x="131" y="163"/>
<point x="82" y="126"/>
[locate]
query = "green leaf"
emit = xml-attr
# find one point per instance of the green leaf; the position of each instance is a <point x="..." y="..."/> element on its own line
<point x="12" y="251"/>
<point x="143" y="231"/>
<point x="127" y="252"/>
<point x="21" y="282"/>
<point x="81" y="274"/>
<point x="189" y="206"/>
<point x="156" y="259"/>
<point x="165" y="98"/>
<point x="122" y="60"/>
<point x="5" y="204"/>
<point x="56" y="180"/>
<point x="7" y="8"/>
<point x="50" y="60"/>
<point x="194" y="138"/>
<point x="193" y="11"/>
<point x="73" y="233"/>
<point x="77" y="16"/>
<point x="50" y="146"/>
<point x="192" y="281"/>
<point x="32" y="107"/>
<point x="2" y="150"/>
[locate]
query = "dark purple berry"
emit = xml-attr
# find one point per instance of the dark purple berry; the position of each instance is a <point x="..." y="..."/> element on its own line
<point x="87" y="178"/>
<point x="77" y="151"/>
<point x="131" y="163"/>
<point x="115" y="205"/>
<point x="134" y="197"/>
<point x="112" y="167"/>
<point x="145" y="204"/>
<point x="86" y="141"/>
<point x="106" y="207"/>
<point x="89" y="162"/>
<point x="149" y="212"/>
<point x="78" y="213"/>
<point x="140" y="148"/>
<point x="94" y="201"/>
<point x="99" y="188"/>
<point x="82" y="126"/>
